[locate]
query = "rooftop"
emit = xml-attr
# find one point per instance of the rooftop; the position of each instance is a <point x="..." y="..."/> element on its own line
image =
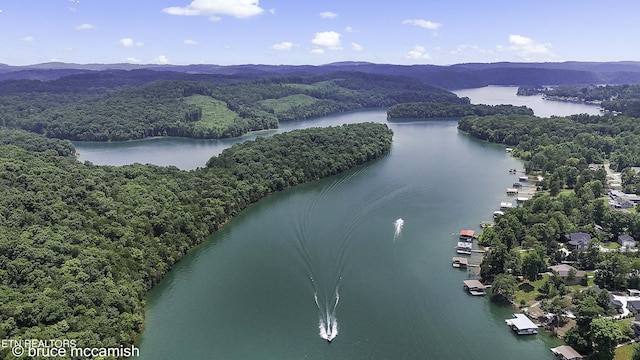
<point x="521" y="322"/>
<point x="567" y="352"/>
<point x="467" y="233"/>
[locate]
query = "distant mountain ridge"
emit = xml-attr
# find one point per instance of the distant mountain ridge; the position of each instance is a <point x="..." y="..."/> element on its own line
<point x="465" y="75"/>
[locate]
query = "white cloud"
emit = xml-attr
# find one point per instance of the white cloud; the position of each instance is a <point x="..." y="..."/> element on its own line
<point x="423" y="23"/>
<point x="213" y="8"/>
<point x="463" y="48"/>
<point x="417" y="53"/>
<point x="317" y="51"/>
<point x="328" y="15"/>
<point x="356" y="47"/>
<point x="350" y="29"/>
<point x="161" y="60"/>
<point x="190" y="42"/>
<point x="28" y="38"/>
<point x="84" y="27"/>
<point x="128" y="42"/>
<point x="285" y="45"/>
<point x="327" y="39"/>
<point x="133" y="60"/>
<point x="527" y="48"/>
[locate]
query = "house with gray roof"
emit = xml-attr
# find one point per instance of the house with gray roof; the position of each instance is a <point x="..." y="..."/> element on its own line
<point x="578" y="241"/>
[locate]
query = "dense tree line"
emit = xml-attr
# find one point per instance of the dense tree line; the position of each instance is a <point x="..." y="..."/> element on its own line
<point x="33" y="142"/>
<point x="425" y="110"/>
<point x="546" y="143"/>
<point x="104" y="107"/>
<point x="81" y="244"/>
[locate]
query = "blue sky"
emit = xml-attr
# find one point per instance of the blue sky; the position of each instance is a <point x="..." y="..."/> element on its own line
<point x="226" y="32"/>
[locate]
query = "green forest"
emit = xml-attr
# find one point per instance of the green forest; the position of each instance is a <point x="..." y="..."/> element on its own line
<point x="80" y="245"/>
<point x="117" y="106"/>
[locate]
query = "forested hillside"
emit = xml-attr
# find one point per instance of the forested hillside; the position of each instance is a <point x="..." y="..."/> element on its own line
<point x="104" y="107"/>
<point x="80" y="244"/>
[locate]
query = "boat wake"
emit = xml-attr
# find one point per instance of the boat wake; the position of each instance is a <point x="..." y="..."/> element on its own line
<point x="327" y="321"/>
<point x="399" y="223"/>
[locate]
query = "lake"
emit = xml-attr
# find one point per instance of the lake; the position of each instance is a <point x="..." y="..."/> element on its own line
<point x="329" y="257"/>
<point x="497" y="95"/>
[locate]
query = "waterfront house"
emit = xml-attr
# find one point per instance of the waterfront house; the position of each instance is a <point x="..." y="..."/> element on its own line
<point x="566" y="352"/>
<point x="517" y="185"/>
<point x="523" y="178"/>
<point x="633" y="292"/>
<point x="522" y="325"/>
<point x="475" y="287"/>
<point x="626" y="240"/>
<point x="464" y="247"/>
<point x="467" y="235"/>
<point x="564" y="272"/>
<point x="512" y="191"/>
<point x="578" y="241"/>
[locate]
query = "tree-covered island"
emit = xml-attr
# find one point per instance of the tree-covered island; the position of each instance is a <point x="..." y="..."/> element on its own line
<point x="430" y="110"/>
<point x="80" y="245"/>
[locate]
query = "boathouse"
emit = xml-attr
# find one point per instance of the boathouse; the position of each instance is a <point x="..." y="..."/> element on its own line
<point x="464" y="247"/>
<point x="522" y="325"/>
<point x="460" y="262"/>
<point x="475" y="287"/>
<point x="566" y="352"/>
<point x="467" y="235"/>
<point x="505" y="205"/>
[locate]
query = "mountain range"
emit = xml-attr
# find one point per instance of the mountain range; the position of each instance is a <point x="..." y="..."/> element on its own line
<point x="467" y="75"/>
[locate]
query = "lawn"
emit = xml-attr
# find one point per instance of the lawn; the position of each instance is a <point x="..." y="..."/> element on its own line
<point x="625" y="352"/>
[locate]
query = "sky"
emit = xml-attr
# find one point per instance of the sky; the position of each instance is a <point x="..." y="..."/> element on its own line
<point x="297" y="32"/>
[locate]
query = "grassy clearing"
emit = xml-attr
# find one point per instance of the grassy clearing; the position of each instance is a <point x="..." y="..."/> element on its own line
<point x="528" y="291"/>
<point x="285" y="104"/>
<point x="215" y="113"/>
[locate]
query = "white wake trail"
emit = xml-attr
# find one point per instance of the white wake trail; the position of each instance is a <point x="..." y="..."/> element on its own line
<point x="399" y="223"/>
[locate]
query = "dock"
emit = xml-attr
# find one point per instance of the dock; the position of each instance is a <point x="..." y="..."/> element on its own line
<point x="460" y="262"/>
<point x="522" y="325"/>
<point x="475" y="287"/>
<point x="464" y="247"/>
